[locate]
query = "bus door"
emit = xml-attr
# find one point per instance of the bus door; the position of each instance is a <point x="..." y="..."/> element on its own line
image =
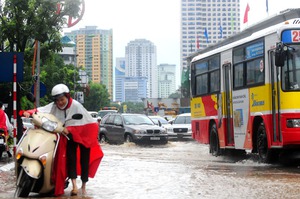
<point x="228" y="123"/>
<point x="275" y="87"/>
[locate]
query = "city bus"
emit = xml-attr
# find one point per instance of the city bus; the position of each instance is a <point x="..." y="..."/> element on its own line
<point x="245" y="92"/>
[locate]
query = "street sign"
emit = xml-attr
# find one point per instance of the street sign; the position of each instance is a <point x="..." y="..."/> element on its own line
<point x="43" y="89"/>
<point x="7" y="66"/>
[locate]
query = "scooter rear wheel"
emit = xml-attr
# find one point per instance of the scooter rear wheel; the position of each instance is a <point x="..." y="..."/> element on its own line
<point x="24" y="185"/>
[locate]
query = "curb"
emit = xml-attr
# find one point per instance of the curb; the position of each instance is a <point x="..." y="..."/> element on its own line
<point x="8" y="167"/>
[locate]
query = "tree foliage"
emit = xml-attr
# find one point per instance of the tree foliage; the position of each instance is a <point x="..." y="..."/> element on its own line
<point x="98" y="97"/>
<point x="133" y="107"/>
<point x="23" y="22"/>
<point x="174" y="95"/>
<point x="53" y="71"/>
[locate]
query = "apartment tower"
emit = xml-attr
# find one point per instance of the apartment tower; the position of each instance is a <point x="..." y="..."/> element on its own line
<point x="94" y="53"/>
<point x="140" y="59"/>
<point x="206" y="22"/>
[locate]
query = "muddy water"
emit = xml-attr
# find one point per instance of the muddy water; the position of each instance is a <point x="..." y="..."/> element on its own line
<point x="184" y="170"/>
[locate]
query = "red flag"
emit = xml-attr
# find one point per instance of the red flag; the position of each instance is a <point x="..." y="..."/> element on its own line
<point x="198" y="44"/>
<point x="246" y="13"/>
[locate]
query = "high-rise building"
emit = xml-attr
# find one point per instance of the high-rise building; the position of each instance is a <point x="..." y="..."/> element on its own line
<point x="94" y="52"/>
<point x="135" y="89"/>
<point x="140" y="56"/>
<point x="206" y="22"/>
<point x="166" y="80"/>
<point x="131" y="89"/>
<point x="119" y="79"/>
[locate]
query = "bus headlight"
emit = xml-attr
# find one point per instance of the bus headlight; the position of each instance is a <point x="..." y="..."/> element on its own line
<point x="293" y="123"/>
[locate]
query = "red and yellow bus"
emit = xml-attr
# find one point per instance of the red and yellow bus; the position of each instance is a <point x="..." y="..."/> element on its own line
<point x="245" y="91"/>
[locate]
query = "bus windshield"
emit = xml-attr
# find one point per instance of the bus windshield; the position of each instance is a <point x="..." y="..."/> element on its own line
<point x="291" y="69"/>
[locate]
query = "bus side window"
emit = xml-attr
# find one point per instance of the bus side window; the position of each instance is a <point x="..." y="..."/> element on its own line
<point x="260" y="77"/>
<point x="254" y="73"/>
<point x="238" y="75"/>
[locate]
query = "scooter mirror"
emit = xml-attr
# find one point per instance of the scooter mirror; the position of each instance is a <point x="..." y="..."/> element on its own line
<point x="77" y="116"/>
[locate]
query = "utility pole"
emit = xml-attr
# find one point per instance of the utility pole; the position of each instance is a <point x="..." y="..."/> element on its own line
<point x="37" y="97"/>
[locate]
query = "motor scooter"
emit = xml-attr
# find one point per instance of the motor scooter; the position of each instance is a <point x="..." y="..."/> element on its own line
<point x="35" y="155"/>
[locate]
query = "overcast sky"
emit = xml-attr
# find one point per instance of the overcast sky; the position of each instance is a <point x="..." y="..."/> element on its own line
<point x="158" y="21"/>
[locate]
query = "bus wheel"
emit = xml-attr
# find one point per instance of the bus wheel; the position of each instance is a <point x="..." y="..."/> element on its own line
<point x="214" y="146"/>
<point x="265" y="154"/>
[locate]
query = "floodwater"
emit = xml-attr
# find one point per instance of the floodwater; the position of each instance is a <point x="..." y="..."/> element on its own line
<point x="183" y="169"/>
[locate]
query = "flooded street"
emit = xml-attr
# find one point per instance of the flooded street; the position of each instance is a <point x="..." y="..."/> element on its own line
<point x="182" y="170"/>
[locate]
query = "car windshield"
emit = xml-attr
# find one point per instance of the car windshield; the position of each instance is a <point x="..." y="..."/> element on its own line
<point x="105" y="112"/>
<point x="137" y="120"/>
<point x="162" y="121"/>
<point x="182" y="120"/>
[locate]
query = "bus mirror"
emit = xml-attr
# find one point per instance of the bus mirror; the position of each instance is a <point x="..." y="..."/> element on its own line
<point x="280" y="54"/>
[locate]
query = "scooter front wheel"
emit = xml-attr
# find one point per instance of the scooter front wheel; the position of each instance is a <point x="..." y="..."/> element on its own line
<point x="24" y="184"/>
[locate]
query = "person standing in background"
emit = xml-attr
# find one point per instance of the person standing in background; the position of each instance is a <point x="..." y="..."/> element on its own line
<point x="6" y="127"/>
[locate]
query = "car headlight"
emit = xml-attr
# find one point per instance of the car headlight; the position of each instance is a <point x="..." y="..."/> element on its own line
<point x="139" y="132"/>
<point x="163" y="131"/>
<point x="170" y="130"/>
<point x="293" y="123"/>
<point x="48" y="125"/>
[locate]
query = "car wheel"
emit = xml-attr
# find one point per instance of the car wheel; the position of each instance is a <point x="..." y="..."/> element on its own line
<point x="103" y="138"/>
<point x="128" y="138"/>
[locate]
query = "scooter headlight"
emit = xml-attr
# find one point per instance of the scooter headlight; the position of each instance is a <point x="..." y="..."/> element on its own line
<point x="48" y="125"/>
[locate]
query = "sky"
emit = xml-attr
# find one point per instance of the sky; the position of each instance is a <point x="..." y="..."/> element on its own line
<point x="159" y="22"/>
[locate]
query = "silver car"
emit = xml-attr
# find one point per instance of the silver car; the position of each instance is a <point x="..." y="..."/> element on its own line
<point x="137" y="128"/>
<point x="181" y="127"/>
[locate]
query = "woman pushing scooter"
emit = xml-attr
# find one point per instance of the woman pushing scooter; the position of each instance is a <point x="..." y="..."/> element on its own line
<point x="83" y="135"/>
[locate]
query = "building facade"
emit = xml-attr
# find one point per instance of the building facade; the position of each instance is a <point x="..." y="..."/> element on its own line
<point x="166" y="80"/>
<point x="119" y="80"/>
<point x="135" y="89"/>
<point x="140" y="58"/>
<point x="131" y="89"/>
<point x="94" y="53"/>
<point x="206" y="22"/>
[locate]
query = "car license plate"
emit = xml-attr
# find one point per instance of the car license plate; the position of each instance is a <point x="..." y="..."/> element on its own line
<point x="1" y="141"/>
<point x="154" y="138"/>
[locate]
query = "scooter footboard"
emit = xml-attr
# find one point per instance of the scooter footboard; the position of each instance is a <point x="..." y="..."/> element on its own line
<point x="32" y="167"/>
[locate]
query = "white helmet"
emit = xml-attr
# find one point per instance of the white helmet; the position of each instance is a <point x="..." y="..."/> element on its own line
<point x="59" y="90"/>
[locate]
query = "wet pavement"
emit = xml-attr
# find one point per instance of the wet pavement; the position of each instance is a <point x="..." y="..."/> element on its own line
<point x="179" y="170"/>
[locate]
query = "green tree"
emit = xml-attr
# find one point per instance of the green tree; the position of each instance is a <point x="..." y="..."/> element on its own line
<point x="23" y="22"/>
<point x="113" y="104"/>
<point x="97" y="98"/>
<point x="55" y="68"/>
<point x="133" y="107"/>
<point x="174" y="95"/>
